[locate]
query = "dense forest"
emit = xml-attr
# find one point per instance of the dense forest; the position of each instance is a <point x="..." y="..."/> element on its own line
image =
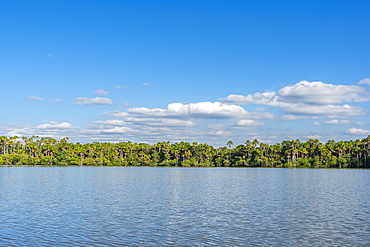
<point x="312" y="153"/>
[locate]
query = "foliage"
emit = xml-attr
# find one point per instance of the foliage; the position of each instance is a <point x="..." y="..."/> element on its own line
<point x="291" y="154"/>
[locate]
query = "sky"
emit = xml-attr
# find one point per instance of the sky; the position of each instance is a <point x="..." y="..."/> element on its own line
<point x="196" y="71"/>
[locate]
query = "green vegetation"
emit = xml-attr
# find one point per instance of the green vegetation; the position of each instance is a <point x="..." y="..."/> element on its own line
<point x="312" y="153"/>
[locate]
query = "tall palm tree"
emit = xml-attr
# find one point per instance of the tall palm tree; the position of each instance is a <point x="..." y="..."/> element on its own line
<point x="230" y="143"/>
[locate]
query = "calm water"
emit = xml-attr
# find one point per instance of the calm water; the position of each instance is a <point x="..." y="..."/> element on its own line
<point x="103" y="206"/>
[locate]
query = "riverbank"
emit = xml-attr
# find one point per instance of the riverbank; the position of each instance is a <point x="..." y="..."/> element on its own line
<point x="288" y="154"/>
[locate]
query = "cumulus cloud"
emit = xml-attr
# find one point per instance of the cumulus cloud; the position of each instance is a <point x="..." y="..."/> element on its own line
<point x="197" y="110"/>
<point x="304" y="92"/>
<point x="216" y="122"/>
<point x="57" y="100"/>
<point x="54" y="125"/>
<point x="153" y="130"/>
<point x="113" y="122"/>
<point x="206" y="110"/>
<point x="93" y="101"/>
<point x="322" y="93"/>
<point x="266" y="98"/>
<point x="330" y="111"/>
<point x="101" y="92"/>
<point x="118" y="86"/>
<point x="115" y="114"/>
<point x="309" y="99"/>
<point x="159" y="121"/>
<point x="36" y="98"/>
<point x="355" y="131"/>
<point x="185" y="121"/>
<point x="307" y="136"/>
<point x="118" y="130"/>
<point x="290" y="117"/>
<point x="336" y="121"/>
<point x="145" y="84"/>
<point x="364" y="81"/>
<point x="50" y="129"/>
<point x="248" y="122"/>
<point x="361" y="123"/>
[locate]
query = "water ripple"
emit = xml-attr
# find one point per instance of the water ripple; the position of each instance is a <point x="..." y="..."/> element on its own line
<point x="113" y="206"/>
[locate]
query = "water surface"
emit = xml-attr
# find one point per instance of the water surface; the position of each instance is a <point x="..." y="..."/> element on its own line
<point x="103" y="206"/>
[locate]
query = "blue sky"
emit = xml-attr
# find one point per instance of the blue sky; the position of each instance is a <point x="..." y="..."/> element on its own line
<point x="205" y="71"/>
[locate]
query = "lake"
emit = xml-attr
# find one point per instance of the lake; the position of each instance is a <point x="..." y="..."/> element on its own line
<point x="100" y="206"/>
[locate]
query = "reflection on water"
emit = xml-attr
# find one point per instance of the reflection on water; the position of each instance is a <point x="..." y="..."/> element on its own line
<point x="183" y="206"/>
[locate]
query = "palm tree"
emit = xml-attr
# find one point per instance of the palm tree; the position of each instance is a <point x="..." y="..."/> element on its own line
<point x="248" y="146"/>
<point x="230" y="143"/>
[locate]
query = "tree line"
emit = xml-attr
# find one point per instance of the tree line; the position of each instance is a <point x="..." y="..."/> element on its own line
<point x="37" y="150"/>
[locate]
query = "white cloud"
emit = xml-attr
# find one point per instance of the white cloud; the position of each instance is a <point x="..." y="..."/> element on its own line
<point x="118" y="86"/>
<point x="101" y="92"/>
<point x="55" y="125"/>
<point x="205" y="110"/>
<point x="217" y="122"/>
<point x="290" y="117"/>
<point x="148" y="132"/>
<point x="118" y="130"/>
<point x="184" y="122"/>
<point x="364" y="81"/>
<point x="51" y="129"/>
<point x="159" y="121"/>
<point x="260" y="115"/>
<point x="361" y="123"/>
<point x="322" y="93"/>
<point x="145" y="84"/>
<point x="113" y="122"/>
<point x="329" y="111"/>
<point x="51" y="55"/>
<point x="57" y="100"/>
<point x="355" y="131"/>
<point x="309" y="99"/>
<point x="336" y="121"/>
<point x="116" y="114"/>
<point x="267" y="141"/>
<point x="248" y="122"/>
<point x="312" y="136"/>
<point x="217" y="126"/>
<point x="93" y="101"/>
<point x="36" y="98"/>
<point x="266" y="98"/>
